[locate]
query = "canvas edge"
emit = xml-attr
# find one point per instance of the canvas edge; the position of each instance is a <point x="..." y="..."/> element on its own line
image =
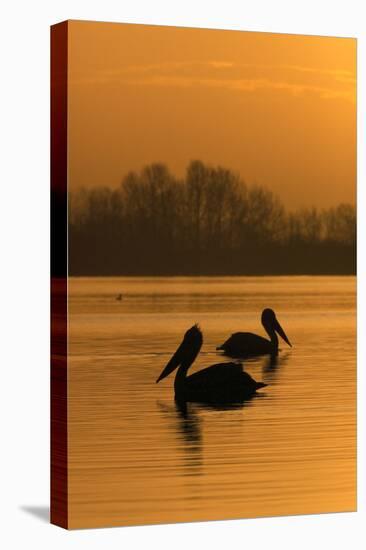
<point x="58" y="206"/>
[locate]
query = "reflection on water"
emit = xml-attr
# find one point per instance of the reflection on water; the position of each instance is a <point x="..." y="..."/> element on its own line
<point x="271" y="366"/>
<point x="185" y="424"/>
<point x="136" y="456"/>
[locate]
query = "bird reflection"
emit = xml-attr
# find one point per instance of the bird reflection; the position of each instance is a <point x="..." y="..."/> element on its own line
<point x="188" y="430"/>
<point x="272" y="366"/>
<point x="188" y="425"/>
<point x="188" y="419"/>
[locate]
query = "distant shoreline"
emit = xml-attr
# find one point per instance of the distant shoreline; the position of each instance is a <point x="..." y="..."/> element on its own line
<point x="208" y="275"/>
<point x="209" y="224"/>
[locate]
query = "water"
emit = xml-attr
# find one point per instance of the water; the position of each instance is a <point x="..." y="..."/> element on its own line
<point x="135" y="458"/>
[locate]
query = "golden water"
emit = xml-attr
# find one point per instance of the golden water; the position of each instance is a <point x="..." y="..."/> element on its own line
<point x="135" y="458"/>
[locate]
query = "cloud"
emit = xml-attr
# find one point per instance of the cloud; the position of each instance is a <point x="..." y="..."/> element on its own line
<point x="297" y="80"/>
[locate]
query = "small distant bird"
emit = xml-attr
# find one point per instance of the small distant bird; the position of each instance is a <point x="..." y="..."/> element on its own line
<point x="246" y="344"/>
<point x="119" y="297"/>
<point x="221" y="383"/>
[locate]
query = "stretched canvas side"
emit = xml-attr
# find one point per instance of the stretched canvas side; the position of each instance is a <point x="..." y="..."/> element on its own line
<point x="59" y="477"/>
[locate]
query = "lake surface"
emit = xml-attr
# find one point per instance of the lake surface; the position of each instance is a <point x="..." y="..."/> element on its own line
<point x="135" y="458"/>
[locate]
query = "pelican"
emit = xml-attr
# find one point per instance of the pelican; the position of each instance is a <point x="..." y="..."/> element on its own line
<point x="221" y="383"/>
<point x="246" y="344"/>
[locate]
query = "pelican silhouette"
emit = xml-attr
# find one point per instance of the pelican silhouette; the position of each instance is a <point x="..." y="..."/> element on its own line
<point x="221" y="383"/>
<point x="246" y="344"/>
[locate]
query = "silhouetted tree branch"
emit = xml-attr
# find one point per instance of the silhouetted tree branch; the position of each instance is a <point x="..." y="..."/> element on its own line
<point x="212" y="222"/>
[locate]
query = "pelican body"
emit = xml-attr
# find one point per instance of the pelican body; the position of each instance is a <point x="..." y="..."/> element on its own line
<point x="221" y="383"/>
<point x="246" y="344"/>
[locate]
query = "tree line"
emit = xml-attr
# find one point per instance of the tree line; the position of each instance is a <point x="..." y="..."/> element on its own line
<point x="208" y="223"/>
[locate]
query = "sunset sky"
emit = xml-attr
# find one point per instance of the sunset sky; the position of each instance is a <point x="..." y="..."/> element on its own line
<point x="279" y="109"/>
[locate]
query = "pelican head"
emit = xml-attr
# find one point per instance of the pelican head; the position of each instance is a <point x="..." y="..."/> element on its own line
<point x="270" y="323"/>
<point x="186" y="352"/>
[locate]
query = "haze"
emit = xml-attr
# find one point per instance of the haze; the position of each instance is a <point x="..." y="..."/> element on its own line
<point x="279" y="109"/>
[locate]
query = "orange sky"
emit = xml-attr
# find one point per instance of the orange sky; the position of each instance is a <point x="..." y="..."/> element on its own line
<point x="280" y="109"/>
